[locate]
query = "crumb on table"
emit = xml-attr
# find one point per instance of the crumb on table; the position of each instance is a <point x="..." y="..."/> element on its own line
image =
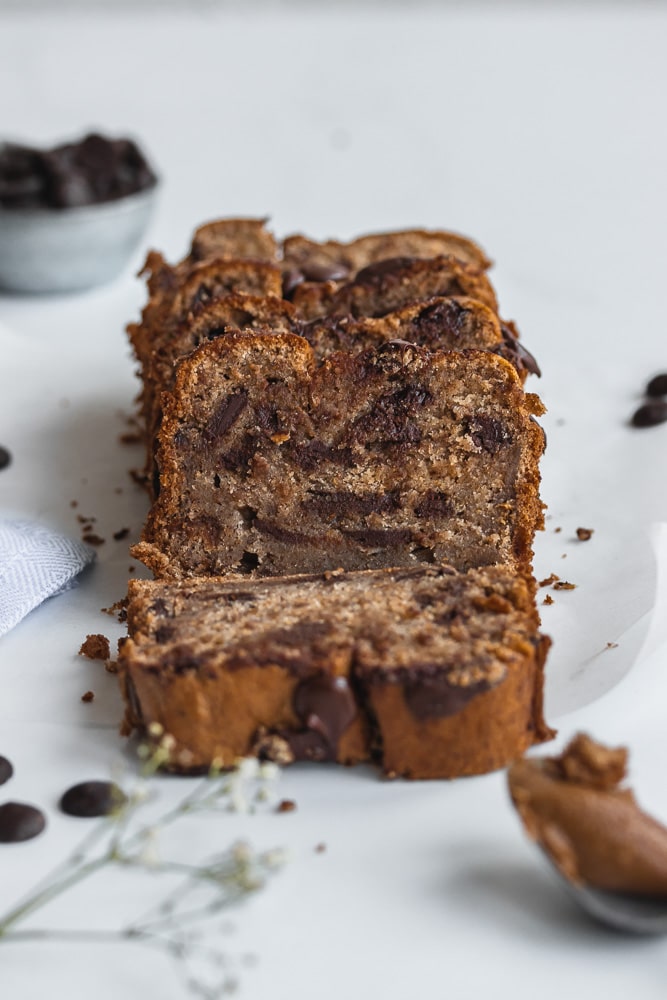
<point x="286" y="806"/>
<point x="95" y="647"/>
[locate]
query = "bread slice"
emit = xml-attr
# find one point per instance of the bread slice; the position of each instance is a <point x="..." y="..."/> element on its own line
<point x="235" y="239"/>
<point x="391" y="284"/>
<point x="316" y="261"/>
<point x="239" y="240"/>
<point x="431" y="673"/>
<point x="391" y="457"/>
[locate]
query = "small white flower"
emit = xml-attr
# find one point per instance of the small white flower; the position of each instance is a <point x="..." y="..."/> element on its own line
<point x="268" y="771"/>
<point x="275" y="858"/>
<point x="149" y="855"/>
<point x="248" y="768"/>
<point x="237" y="799"/>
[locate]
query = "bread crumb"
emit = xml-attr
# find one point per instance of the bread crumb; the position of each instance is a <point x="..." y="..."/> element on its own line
<point x="548" y="580"/>
<point x="95" y="647"/>
<point x="320" y="848"/>
<point x="612" y="645"/>
<point x="556" y="530"/>
<point x="87" y="697"/>
<point x="286" y="806"/>
<point x="92" y="539"/>
<point x="564" y="585"/>
<point x="121" y="534"/>
<point x="548" y="599"/>
<point x="583" y="534"/>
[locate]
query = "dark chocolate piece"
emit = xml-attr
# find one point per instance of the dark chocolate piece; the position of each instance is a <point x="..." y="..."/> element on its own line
<point x="650" y="414"/>
<point x="19" y="821"/>
<point x="326" y="707"/>
<point x="6" y="770"/>
<point x="291" y="280"/>
<point x="226" y="415"/>
<point x="93" y="798"/>
<point x="93" y="170"/>
<point x="433" y="696"/>
<point x="657" y="386"/>
<point x="324" y="272"/>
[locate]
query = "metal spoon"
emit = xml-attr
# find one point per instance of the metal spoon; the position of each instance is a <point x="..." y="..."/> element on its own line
<point x="619" y="910"/>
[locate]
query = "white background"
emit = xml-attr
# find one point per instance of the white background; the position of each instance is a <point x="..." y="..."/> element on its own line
<point x="540" y="131"/>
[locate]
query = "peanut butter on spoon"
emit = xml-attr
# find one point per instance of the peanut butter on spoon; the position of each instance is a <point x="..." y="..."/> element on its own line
<point x="591" y="828"/>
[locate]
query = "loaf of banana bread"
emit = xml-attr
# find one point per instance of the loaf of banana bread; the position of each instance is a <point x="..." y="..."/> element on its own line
<point x="390" y="457"/>
<point x="429" y="672"/>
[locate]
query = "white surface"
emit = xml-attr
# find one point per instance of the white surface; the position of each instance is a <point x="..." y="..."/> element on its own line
<point x="539" y="133"/>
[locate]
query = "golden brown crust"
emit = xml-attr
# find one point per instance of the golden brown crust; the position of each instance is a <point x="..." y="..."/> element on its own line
<point x="300" y="252"/>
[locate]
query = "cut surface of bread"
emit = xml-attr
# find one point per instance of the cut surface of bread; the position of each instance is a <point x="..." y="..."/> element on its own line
<point x="430" y="672"/>
<point x="390" y="457"/>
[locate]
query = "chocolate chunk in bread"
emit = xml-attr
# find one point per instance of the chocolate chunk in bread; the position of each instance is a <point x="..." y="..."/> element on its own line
<point x="430" y="672"/>
<point x="389" y="457"/>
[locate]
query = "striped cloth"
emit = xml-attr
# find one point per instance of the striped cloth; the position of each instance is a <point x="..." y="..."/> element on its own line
<point x="35" y="563"/>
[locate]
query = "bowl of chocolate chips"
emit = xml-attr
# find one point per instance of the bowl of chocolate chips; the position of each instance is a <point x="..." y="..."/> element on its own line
<point x="71" y="216"/>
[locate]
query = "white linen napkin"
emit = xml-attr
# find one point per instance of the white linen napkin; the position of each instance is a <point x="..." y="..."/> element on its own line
<point x="35" y="563"/>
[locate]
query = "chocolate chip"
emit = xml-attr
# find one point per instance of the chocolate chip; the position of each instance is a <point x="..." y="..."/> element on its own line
<point x="226" y="415"/>
<point x="6" y="770"/>
<point x="121" y="534"/>
<point x="5" y="458"/>
<point x="342" y="503"/>
<point x="650" y="414"/>
<point x="281" y="534"/>
<point x="430" y="695"/>
<point x="488" y="434"/>
<point x="93" y="798"/>
<point x="19" y="821"/>
<point x="326" y="707"/>
<point x="657" y="386"/>
<point x="379" y="538"/>
<point x="291" y="280"/>
<point x="324" y="272"/>
<point x="434" y="504"/>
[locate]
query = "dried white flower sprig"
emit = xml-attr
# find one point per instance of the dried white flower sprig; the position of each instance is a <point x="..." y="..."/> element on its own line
<point x="183" y="924"/>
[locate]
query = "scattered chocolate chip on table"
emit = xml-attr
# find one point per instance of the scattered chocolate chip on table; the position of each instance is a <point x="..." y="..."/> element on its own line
<point x="6" y="770"/>
<point x="19" y="821"/>
<point x="93" y="798"/>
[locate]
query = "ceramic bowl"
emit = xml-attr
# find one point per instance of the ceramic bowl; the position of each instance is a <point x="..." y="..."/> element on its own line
<point x="71" y="249"/>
